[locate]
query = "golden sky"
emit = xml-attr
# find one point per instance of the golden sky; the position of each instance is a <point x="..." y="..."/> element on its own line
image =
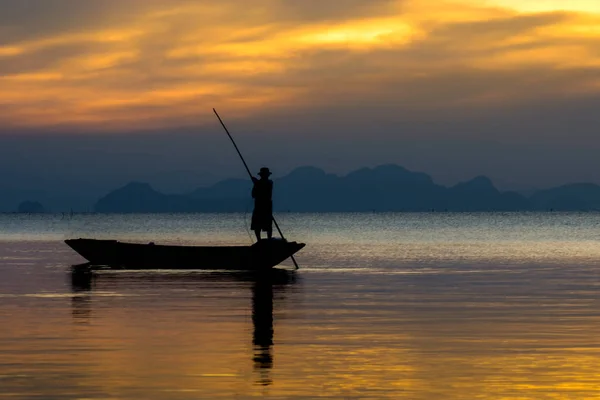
<point x="129" y="64"/>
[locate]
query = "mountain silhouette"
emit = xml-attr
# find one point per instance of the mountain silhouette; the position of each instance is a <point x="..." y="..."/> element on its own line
<point x="227" y="189"/>
<point x="31" y="207"/>
<point x="310" y="189"/>
<point x="383" y="188"/>
<point x="137" y="197"/>
<point x="572" y="197"/>
<point x="479" y="194"/>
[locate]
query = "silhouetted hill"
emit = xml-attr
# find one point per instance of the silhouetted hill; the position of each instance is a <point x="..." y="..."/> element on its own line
<point x="227" y="189"/>
<point x="384" y="188"/>
<point x="30" y="207"/>
<point x="573" y="197"/>
<point x="310" y="189"/>
<point x="479" y="194"/>
<point x="139" y="197"/>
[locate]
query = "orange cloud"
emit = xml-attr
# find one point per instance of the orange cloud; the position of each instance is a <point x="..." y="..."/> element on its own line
<point x="170" y="62"/>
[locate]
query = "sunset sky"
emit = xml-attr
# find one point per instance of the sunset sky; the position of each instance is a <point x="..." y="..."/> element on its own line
<point x="520" y="78"/>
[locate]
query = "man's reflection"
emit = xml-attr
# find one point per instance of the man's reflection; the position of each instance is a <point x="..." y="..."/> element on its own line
<point x="263" y="290"/>
<point x="81" y="286"/>
<point x="262" y="318"/>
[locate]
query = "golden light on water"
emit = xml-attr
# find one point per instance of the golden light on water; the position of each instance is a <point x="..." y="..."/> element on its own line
<point x="484" y="336"/>
<point x="169" y="60"/>
<point x="415" y="306"/>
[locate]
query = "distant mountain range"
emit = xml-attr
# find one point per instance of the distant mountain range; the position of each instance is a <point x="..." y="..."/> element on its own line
<point x="384" y="188"/>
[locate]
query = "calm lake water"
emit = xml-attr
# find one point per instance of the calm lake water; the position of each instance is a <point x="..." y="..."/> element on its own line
<point x="415" y="306"/>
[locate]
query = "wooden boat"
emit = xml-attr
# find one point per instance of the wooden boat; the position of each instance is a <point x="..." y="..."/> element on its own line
<point x="113" y="254"/>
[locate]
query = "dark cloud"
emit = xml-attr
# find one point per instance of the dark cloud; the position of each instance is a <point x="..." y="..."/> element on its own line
<point x="42" y="59"/>
<point x="31" y="19"/>
<point x="321" y="11"/>
<point x="497" y="28"/>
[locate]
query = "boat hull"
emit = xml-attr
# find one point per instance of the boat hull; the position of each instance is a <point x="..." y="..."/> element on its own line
<point x="118" y="255"/>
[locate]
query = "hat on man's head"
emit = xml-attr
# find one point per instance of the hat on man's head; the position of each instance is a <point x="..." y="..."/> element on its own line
<point x="264" y="171"/>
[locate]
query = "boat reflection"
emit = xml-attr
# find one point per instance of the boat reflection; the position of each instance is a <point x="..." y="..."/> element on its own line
<point x="267" y="287"/>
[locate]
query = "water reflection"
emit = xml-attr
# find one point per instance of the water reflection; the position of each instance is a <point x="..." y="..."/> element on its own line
<point x="81" y="286"/>
<point x="262" y="338"/>
<point x="263" y="285"/>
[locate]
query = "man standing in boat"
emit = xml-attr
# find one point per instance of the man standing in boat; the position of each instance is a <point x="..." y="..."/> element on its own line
<point x="262" y="193"/>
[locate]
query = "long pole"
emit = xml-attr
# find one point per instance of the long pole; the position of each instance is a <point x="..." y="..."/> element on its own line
<point x="251" y="176"/>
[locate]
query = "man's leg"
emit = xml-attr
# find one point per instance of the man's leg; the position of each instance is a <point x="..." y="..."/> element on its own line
<point x="257" y="233"/>
<point x="269" y="233"/>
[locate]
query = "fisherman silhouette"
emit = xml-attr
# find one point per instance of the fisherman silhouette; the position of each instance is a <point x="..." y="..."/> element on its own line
<point x="262" y="192"/>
